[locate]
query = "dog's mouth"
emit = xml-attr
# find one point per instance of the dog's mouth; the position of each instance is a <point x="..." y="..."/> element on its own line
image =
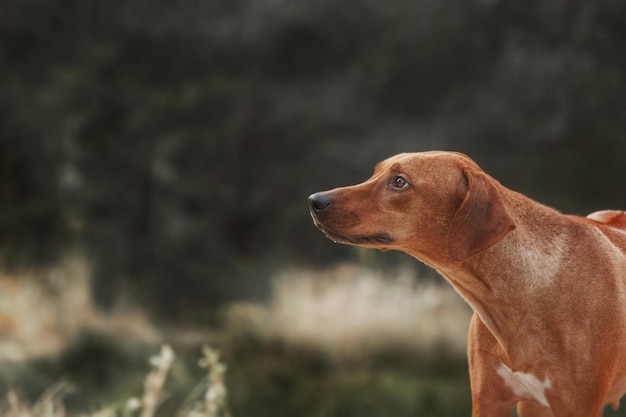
<point x="376" y="239"/>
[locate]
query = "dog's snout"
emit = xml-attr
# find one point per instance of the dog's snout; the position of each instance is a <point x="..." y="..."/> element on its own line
<point x="319" y="202"/>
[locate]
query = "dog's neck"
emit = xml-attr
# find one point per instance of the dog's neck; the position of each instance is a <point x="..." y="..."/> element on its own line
<point x="534" y="250"/>
<point x="504" y="296"/>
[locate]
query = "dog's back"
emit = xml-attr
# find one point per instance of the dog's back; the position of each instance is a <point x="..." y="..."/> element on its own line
<point x="613" y="218"/>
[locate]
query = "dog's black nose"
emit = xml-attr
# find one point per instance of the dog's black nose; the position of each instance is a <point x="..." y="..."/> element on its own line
<point x="319" y="202"/>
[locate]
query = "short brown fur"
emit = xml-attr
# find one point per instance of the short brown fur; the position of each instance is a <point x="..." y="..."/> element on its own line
<point x="548" y="290"/>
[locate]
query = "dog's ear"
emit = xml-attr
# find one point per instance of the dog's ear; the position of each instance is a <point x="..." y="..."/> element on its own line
<point x="481" y="221"/>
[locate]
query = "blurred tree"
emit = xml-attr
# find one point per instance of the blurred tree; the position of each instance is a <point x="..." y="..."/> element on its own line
<point x="177" y="143"/>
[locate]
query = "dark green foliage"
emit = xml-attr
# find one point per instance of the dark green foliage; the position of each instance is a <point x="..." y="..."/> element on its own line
<point x="178" y="142"/>
<point x="276" y="379"/>
<point x="264" y="378"/>
<point x="99" y="368"/>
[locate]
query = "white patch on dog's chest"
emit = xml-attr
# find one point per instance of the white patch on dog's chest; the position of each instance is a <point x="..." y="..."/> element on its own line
<point x="526" y="386"/>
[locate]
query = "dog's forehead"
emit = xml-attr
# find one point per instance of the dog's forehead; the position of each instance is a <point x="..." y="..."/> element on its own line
<point x="419" y="160"/>
<point x="389" y="163"/>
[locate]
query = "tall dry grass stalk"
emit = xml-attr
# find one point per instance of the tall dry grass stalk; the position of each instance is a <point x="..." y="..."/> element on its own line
<point x="210" y="398"/>
<point x="155" y="381"/>
<point x="216" y="393"/>
<point x="350" y="311"/>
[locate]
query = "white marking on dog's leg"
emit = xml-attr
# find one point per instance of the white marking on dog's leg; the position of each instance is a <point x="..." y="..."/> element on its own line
<point x="526" y="386"/>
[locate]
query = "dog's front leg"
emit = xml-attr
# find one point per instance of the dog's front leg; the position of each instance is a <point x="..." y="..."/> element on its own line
<point x="532" y="409"/>
<point x="490" y="396"/>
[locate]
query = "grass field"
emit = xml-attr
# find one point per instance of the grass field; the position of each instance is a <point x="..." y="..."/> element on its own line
<point x="346" y="341"/>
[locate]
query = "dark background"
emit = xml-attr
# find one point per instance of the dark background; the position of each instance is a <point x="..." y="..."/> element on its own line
<point x="175" y="142"/>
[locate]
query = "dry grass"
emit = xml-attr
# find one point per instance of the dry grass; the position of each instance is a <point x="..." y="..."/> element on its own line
<point x="49" y="405"/>
<point x="214" y="401"/>
<point x="345" y="312"/>
<point x="41" y="311"/>
<point x="351" y="311"/>
<point x="208" y="401"/>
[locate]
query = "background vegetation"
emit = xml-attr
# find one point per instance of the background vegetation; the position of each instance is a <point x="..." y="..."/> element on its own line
<point x="170" y="147"/>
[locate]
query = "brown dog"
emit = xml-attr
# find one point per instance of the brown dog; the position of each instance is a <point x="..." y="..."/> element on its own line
<point x="548" y="290"/>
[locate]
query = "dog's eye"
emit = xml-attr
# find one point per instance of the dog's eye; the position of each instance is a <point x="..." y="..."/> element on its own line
<point x="398" y="182"/>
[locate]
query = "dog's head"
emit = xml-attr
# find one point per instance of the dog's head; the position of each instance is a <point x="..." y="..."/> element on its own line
<point x="430" y="204"/>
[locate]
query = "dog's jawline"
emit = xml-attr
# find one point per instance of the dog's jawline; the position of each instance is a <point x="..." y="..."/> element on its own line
<point x="375" y="239"/>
